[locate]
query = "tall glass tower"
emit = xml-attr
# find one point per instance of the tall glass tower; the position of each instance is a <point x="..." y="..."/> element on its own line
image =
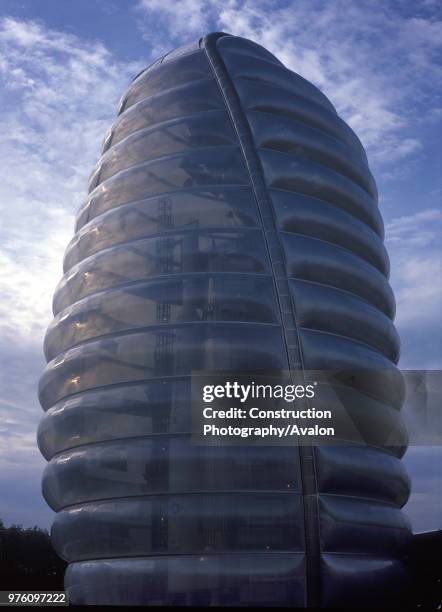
<point x="231" y="225"/>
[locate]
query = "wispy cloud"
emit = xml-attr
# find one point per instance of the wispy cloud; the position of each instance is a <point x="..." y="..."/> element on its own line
<point x="59" y="96"/>
<point x="178" y="19"/>
<point x="377" y="65"/>
<point x="413" y="243"/>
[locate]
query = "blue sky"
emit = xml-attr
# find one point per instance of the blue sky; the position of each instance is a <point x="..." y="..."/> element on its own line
<point x="63" y="67"/>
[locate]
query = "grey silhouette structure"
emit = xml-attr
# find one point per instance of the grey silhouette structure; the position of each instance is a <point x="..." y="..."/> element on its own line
<point x="231" y="225"/>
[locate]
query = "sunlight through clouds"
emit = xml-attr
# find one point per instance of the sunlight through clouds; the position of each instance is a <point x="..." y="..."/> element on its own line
<point x="65" y="92"/>
<point x="60" y="94"/>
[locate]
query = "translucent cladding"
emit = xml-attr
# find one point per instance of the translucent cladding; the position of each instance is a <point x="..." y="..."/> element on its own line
<point x="180" y="299"/>
<point x="186" y="69"/>
<point x="212" y="129"/>
<point x="239" y="579"/>
<point x="159" y="465"/>
<point x="172" y="525"/>
<point x="165" y="351"/>
<point x="310" y="172"/>
<point x="180" y="101"/>
<point x="203" y="167"/>
<point x="225" y="207"/>
<point x="231" y="224"/>
<point x="178" y="252"/>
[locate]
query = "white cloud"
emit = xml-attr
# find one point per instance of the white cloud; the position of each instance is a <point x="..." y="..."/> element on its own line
<point x="185" y="16"/>
<point x="377" y="66"/>
<point x="413" y="243"/>
<point x="60" y="94"/>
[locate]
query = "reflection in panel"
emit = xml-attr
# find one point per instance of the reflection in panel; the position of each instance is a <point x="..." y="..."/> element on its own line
<point x="165" y="464"/>
<point x="173" y="351"/>
<point x="181" y="299"/>
<point x="209" y="130"/>
<point x="179" y="524"/>
<point x="179" y="101"/>
<point x="173" y="253"/>
<point x="208" y="167"/>
<point x="203" y="580"/>
<point x="227" y="208"/>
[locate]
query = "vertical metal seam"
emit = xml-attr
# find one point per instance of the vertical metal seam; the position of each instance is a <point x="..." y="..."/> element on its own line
<point x="286" y="305"/>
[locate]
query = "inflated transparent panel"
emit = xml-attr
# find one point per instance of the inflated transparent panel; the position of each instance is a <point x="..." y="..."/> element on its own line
<point x="163" y="407"/>
<point x="203" y="580"/>
<point x="378" y="376"/>
<point x="171" y="351"/>
<point x="209" y="129"/>
<point x="247" y="65"/>
<point x="374" y="579"/>
<point x="198" y="96"/>
<point x="139" y="409"/>
<point x="360" y="417"/>
<point x="349" y="525"/>
<point x="279" y="101"/>
<point x="172" y="253"/>
<point x="165" y="464"/>
<point x="293" y="137"/>
<point x="311" y="216"/>
<point x="172" y="524"/>
<point x="217" y="207"/>
<point x="207" y="167"/>
<point x="362" y="472"/>
<point x="315" y="260"/>
<point x="203" y="297"/>
<point x="184" y="70"/>
<point x="324" y="308"/>
<point x="300" y="175"/>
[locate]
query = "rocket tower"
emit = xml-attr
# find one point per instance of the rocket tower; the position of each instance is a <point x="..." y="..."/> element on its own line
<point x="231" y="225"/>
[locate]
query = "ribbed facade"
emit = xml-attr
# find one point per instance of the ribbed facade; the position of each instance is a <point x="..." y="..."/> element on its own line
<point x="231" y="225"/>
